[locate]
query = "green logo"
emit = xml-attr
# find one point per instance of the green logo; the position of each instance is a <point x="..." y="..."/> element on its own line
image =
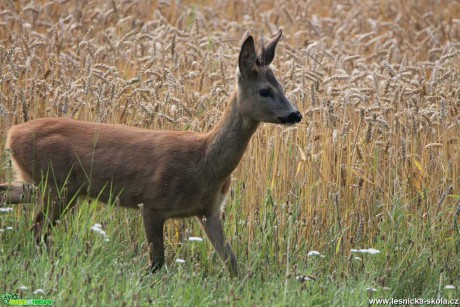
<point x="6" y="297"/>
<point x="14" y="300"/>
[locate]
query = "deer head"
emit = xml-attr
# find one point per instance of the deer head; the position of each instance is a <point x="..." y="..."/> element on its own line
<point x="260" y="96"/>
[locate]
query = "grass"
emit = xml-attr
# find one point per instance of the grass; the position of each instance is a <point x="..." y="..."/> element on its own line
<point x="374" y="164"/>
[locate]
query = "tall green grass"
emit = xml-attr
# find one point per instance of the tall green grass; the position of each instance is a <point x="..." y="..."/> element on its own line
<point x="81" y="268"/>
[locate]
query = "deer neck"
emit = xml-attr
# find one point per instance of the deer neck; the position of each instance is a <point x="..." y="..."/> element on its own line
<point x="227" y="141"/>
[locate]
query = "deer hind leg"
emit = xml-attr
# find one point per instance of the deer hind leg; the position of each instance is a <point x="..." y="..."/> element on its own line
<point x="153" y="224"/>
<point x="212" y="225"/>
<point x="52" y="205"/>
<point x="49" y="209"/>
<point x="16" y="193"/>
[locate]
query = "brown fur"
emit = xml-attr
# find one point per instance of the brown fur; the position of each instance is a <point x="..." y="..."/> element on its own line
<point x="173" y="174"/>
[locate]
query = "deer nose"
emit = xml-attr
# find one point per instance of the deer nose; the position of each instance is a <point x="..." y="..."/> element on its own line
<point x="294" y="117"/>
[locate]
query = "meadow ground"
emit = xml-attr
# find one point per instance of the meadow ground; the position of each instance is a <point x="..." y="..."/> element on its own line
<point x="374" y="164"/>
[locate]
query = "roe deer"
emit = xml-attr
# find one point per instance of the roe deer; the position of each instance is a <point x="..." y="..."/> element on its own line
<point x="173" y="174"/>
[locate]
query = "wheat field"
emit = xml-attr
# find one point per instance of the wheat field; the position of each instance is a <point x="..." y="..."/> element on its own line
<point x="373" y="166"/>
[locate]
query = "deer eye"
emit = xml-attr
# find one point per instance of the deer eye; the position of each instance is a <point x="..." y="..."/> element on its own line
<point x="265" y="93"/>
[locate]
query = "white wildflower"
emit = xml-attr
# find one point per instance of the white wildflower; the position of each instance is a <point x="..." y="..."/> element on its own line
<point x="373" y="251"/>
<point x="303" y="278"/>
<point x="315" y="254"/>
<point x="97" y="228"/>
<point x="6" y="210"/>
<point x="195" y="239"/>
<point x="39" y="291"/>
<point x="449" y="287"/>
<point x="178" y="260"/>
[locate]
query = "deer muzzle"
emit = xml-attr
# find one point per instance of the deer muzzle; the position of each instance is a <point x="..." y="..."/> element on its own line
<point x="293" y="118"/>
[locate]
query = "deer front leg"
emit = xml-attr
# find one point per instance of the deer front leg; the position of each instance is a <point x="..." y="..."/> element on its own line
<point x="212" y="225"/>
<point x="153" y="225"/>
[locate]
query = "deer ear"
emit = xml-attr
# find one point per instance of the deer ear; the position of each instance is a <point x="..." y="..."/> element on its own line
<point x="269" y="50"/>
<point x="247" y="57"/>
